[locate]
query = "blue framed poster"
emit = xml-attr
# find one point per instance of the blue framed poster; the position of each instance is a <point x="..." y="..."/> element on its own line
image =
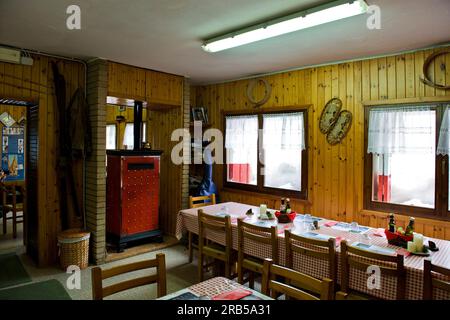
<point x="13" y="156"/>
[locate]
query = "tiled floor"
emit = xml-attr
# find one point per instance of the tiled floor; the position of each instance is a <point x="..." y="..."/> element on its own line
<point x="7" y="242"/>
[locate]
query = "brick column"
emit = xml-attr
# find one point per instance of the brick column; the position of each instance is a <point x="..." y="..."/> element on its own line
<point x="97" y="83"/>
<point x="187" y="146"/>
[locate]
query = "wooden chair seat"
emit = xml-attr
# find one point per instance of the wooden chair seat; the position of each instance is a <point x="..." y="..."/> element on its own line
<point x="253" y="264"/>
<point x="215" y="249"/>
<point x="19" y="206"/>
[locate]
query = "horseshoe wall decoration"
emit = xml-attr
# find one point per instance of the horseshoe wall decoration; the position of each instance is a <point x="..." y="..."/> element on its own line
<point x="427" y="63"/>
<point x="250" y="88"/>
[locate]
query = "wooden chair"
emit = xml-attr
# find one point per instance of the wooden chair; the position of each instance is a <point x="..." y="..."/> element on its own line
<point x="98" y="275"/>
<point x="262" y="235"/>
<point x="13" y="200"/>
<point x="430" y="283"/>
<point x="318" y="249"/>
<point x="218" y="252"/>
<point x="197" y="202"/>
<point x="295" y="284"/>
<point x="358" y="259"/>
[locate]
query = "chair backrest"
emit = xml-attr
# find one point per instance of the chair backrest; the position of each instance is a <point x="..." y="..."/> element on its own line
<point x="12" y="194"/>
<point x="98" y="275"/>
<point x="259" y="234"/>
<point x="318" y="249"/>
<point x="430" y="283"/>
<point x="294" y="283"/>
<point x="201" y="201"/>
<point x="392" y="266"/>
<point x="214" y="223"/>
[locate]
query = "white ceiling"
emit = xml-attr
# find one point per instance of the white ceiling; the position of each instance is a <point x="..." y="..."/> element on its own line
<point x="166" y="35"/>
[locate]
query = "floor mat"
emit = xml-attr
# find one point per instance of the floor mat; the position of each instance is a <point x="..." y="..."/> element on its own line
<point x="46" y="290"/>
<point x="12" y="271"/>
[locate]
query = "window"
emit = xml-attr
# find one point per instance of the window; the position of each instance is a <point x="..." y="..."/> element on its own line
<point x="111" y="137"/>
<point x="128" y="137"/>
<point x="241" y="145"/>
<point x="266" y="152"/>
<point x="403" y="170"/>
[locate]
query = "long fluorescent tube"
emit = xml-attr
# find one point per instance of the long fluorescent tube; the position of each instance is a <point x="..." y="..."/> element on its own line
<point x="333" y="11"/>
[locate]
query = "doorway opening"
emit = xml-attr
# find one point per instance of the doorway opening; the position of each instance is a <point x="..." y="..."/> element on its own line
<point x="18" y="148"/>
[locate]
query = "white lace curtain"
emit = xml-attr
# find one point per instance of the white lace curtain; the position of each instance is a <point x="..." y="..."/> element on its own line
<point x="284" y="131"/>
<point x="128" y="137"/>
<point x="111" y="137"/>
<point x="402" y="130"/>
<point x="241" y="132"/>
<point x="444" y="134"/>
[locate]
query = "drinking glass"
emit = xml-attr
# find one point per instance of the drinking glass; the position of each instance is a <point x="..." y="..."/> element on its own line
<point x="354" y="226"/>
<point x="308" y="218"/>
<point x="309" y="226"/>
<point x="224" y="210"/>
<point x="364" y="238"/>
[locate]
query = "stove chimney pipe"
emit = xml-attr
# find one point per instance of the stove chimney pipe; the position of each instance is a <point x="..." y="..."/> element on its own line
<point x="137" y="128"/>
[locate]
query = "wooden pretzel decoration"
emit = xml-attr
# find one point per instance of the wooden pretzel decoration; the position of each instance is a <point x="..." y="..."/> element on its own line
<point x="250" y="88"/>
<point x="426" y="64"/>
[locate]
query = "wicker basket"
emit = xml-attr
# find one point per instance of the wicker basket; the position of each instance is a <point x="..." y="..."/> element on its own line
<point x="74" y="248"/>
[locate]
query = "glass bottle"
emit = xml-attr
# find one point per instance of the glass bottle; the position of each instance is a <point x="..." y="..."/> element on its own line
<point x="391" y="224"/>
<point x="288" y="205"/>
<point x="283" y="205"/>
<point x="410" y="228"/>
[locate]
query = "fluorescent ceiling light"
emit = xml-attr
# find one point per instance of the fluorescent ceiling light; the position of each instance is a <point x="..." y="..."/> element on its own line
<point x="333" y="11"/>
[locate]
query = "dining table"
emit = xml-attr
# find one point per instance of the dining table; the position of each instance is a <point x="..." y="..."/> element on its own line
<point x="372" y="239"/>
<point x="217" y="288"/>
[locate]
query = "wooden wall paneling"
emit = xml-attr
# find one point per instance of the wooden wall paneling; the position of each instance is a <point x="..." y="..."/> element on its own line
<point x="439" y="72"/>
<point x="418" y="74"/>
<point x="358" y="127"/>
<point x="365" y="95"/>
<point x="410" y="75"/>
<point x="315" y="150"/>
<point x="430" y="91"/>
<point x="35" y="83"/>
<point x="44" y="223"/>
<point x="318" y="76"/>
<point x="342" y="147"/>
<point x="349" y="177"/>
<point x="393" y="77"/>
<point x="330" y="189"/>
<point x="170" y="197"/>
<point x="400" y="76"/>
<point x="52" y="150"/>
<point x="334" y="160"/>
<point x="447" y="73"/>
<point x="382" y="79"/>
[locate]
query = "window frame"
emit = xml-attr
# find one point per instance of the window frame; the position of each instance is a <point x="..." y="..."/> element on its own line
<point x="259" y="187"/>
<point x="440" y="210"/>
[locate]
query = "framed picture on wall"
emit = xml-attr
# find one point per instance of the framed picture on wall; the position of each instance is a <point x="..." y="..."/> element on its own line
<point x="199" y="114"/>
